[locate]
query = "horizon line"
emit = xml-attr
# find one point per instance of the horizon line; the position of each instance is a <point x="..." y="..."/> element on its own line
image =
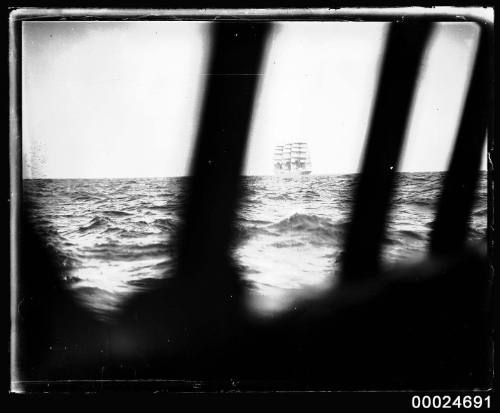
<point x="243" y="175"/>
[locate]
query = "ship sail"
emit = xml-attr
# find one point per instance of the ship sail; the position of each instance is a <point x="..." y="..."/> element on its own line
<point x="292" y="159"/>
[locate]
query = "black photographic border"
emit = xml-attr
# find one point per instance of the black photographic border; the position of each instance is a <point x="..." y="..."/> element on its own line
<point x="18" y="15"/>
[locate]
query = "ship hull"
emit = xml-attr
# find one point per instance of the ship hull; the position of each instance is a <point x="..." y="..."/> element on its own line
<point x="292" y="173"/>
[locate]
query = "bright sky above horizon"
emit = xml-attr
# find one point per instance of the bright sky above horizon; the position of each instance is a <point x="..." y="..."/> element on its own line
<point x="121" y="99"/>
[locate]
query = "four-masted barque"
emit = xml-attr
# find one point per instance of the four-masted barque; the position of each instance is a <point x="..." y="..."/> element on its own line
<point x="292" y="159"/>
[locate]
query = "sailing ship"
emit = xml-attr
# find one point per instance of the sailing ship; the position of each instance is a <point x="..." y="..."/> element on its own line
<point x="292" y="159"/>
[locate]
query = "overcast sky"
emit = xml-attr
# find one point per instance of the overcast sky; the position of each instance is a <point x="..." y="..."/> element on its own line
<point x="121" y="99"/>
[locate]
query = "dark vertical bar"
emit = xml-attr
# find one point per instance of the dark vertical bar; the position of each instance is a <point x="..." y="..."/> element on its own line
<point x="451" y="223"/>
<point x="405" y="45"/>
<point x="216" y="167"/>
<point x="15" y="179"/>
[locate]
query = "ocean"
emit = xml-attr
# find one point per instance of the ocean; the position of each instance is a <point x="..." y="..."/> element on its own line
<point x="115" y="237"/>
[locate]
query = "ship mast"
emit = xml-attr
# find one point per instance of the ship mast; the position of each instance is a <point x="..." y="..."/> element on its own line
<point x="292" y="157"/>
<point x="278" y="157"/>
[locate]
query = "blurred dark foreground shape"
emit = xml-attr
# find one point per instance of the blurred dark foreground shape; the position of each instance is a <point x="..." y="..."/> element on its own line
<point x="420" y="325"/>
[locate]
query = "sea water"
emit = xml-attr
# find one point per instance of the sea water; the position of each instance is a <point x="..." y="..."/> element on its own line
<point x="115" y="237"/>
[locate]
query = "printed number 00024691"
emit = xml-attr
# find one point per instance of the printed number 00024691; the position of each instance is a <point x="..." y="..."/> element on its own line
<point x="447" y="402"/>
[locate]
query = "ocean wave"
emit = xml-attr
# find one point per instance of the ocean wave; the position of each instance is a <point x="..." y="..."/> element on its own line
<point x="167" y="224"/>
<point x="86" y="196"/>
<point x="404" y="237"/>
<point x="96" y="222"/>
<point x="162" y="265"/>
<point x="147" y="283"/>
<point x="311" y="194"/>
<point x="402" y="200"/>
<point x="304" y="228"/>
<point x="127" y="233"/>
<point x="126" y="253"/>
<point x="116" y="213"/>
<point x="114" y="230"/>
<point x="250" y="221"/>
<point x="480" y="212"/>
<point x="245" y="232"/>
<point x="288" y="243"/>
<point x="247" y="202"/>
<point x="309" y="223"/>
<point x="425" y="203"/>
<point x="156" y="204"/>
<point x="408" y="233"/>
<point x="280" y="197"/>
<point x="477" y="233"/>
